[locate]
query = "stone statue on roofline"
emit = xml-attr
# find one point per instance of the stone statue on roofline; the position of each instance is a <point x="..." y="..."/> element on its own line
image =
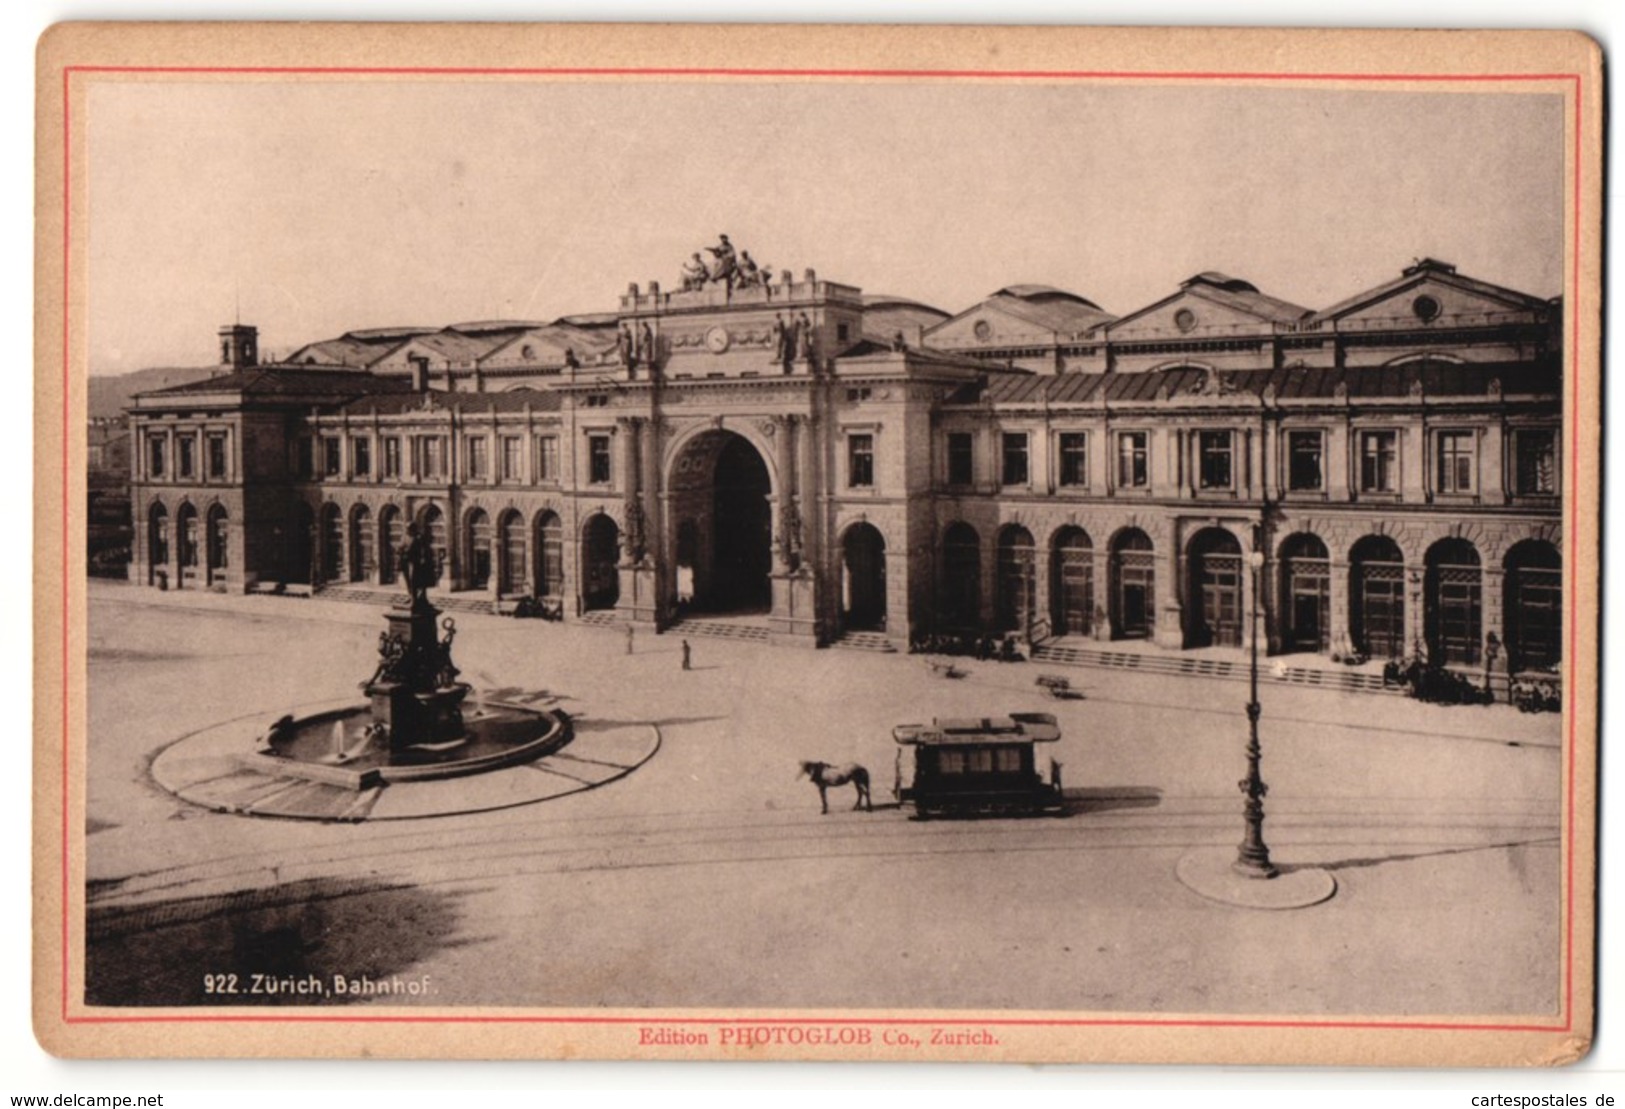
<point x="725" y="267"/>
<point x="695" y="273"/>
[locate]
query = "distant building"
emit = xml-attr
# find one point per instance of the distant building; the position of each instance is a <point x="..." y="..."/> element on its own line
<point x="825" y="462"/>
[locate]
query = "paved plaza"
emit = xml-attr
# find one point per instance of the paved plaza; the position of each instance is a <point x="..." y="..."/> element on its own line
<point x="707" y="876"/>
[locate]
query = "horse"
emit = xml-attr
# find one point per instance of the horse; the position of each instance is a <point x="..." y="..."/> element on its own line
<point x="825" y="776"/>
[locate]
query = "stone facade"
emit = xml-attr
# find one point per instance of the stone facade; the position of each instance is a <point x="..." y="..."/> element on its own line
<point x="1387" y="470"/>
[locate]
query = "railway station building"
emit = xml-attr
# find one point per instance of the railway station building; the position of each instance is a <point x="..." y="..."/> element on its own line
<point x="815" y="463"/>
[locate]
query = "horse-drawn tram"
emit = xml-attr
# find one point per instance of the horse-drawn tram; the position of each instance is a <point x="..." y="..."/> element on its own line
<point x="986" y="765"/>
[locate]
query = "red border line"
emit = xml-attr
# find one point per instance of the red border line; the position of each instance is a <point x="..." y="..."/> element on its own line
<point x="953" y="74"/>
<point x="1571" y="361"/>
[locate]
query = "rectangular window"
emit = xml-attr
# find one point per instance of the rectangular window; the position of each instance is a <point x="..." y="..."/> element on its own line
<point x="1537" y="463"/>
<point x="1303" y="451"/>
<point x="217" y="456"/>
<point x="391" y="448"/>
<point x="510" y="457"/>
<point x="479" y="458"/>
<point x="1133" y="455"/>
<point x="1456" y="461"/>
<point x="186" y="456"/>
<point x="1214" y="469"/>
<point x="1379" y="461"/>
<point x="431" y="457"/>
<point x="598" y="459"/>
<point x="332" y="456"/>
<point x="305" y="457"/>
<point x="961" y="457"/>
<point x="1074" y="458"/>
<point x="361" y="457"/>
<point x="547" y="458"/>
<point x="155" y="456"/>
<point x="860" y="461"/>
<point x="1014" y="454"/>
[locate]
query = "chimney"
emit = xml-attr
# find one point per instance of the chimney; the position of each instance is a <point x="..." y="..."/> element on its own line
<point x="420" y="372"/>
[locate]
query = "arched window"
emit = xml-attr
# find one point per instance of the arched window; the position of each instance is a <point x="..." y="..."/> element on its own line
<point x="332" y="542"/>
<point x="479" y="549"/>
<point x="511" y="578"/>
<point x="1213" y="618"/>
<point x="961" y="576"/>
<point x="549" y="555"/>
<point x="1133" y="585"/>
<point x="391" y="538"/>
<point x="157" y="541"/>
<point x="214" y="541"/>
<point x="1377" y="597"/>
<point x="432" y="523"/>
<point x="1305" y="593"/>
<point x="1453" y="611"/>
<point x="1072" y="583"/>
<point x="1017" y="578"/>
<point x="1534" y="606"/>
<point x="361" y="543"/>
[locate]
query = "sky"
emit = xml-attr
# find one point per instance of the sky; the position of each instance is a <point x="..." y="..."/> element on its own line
<point x="310" y="209"/>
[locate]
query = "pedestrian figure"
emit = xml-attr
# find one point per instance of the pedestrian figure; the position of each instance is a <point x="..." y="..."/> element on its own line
<point x="685" y="655"/>
<point x="629" y="633"/>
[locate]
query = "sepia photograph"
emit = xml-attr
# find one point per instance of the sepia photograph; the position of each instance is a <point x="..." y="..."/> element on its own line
<point x="723" y="546"/>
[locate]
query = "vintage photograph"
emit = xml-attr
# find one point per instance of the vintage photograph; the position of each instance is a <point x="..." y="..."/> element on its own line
<point x="822" y="562"/>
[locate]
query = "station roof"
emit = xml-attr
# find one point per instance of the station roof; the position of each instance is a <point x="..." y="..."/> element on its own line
<point x="273" y="381"/>
<point x="405" y="401"/>
<point x="1438" y="379"/>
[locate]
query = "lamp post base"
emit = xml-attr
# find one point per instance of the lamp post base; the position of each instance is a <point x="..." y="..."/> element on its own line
<point x="1254" y="868"/>
<point x="1214" y="874"/>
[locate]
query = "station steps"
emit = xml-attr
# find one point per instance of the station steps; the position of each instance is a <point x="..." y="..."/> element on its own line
<point x="866" y="641"/>
<point x="445" y="602"/>
<point x="1176" y="666"/>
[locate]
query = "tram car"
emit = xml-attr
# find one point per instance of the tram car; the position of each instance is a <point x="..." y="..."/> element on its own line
<point x="971" y="766"/>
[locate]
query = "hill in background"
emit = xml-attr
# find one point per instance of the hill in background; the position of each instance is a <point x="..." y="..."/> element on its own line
<point x="110" y="394"/>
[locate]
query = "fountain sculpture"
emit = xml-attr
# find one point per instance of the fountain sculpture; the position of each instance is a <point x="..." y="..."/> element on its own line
<point x="414" y="726"/>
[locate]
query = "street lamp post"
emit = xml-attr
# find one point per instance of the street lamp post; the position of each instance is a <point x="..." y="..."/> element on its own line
<point x="1253" y="856"/>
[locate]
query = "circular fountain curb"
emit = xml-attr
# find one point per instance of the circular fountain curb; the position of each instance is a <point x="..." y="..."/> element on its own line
<point x="216" y="768"/>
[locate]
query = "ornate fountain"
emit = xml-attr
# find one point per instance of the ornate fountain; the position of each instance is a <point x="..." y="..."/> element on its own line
<point x="415" y="725"/>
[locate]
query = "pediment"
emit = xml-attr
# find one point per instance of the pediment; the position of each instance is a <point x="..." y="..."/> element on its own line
<point x="1429" y="299"/>
<point x="1188" y="315"/>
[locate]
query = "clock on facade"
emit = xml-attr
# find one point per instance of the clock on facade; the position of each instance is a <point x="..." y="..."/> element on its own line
<point x="716" y="339"/>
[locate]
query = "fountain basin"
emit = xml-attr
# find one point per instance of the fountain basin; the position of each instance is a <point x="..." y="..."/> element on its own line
<point x="496" y="735"/>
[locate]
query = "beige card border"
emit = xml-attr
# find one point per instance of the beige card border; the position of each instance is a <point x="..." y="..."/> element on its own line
<point x="71" y="56"/>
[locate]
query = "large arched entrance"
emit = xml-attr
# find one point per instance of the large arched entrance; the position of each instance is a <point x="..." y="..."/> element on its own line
<point x="600" y="555"/>
<point x="863" y="579"/>
<point x="721" y="509"/>
<point x="1214" y="614"/>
